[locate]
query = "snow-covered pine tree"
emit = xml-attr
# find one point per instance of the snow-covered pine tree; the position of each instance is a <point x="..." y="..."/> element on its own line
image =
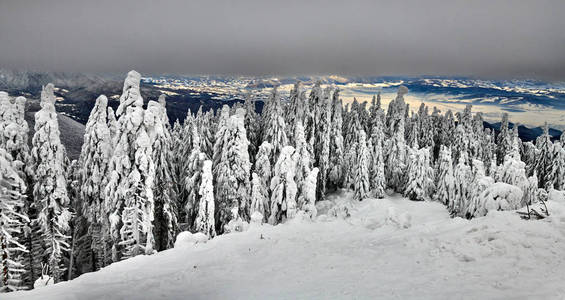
<point x="545" y="160"/>
<point x="192" y="180"/>
<point x="294" y="111"/>
<point x="50" y="189"/>
<point x="206" y="132"/>
<point x="274" y="125"/>
<point x="259" y="198"/>
<point x="311" y="124"/>
<point x="264" y="175"/>
<point x="232" y="173"/>
<point x="478" y="184"/>
<point x="165" y="224"/>
<point x="14" y="132"/>
<point x="93" y="163"/>
<point x="419" y="175"/>
<point x="112" y="125"/>
<point x="377" y="173"/>
<point x="13" y="224"/>
<point x="252" y="127"/>
<point x="303" y="161"/>
<point x="461" y="140"/>
<point x="503" y="140"/>
<point x="362" y="186"/>
<point x="283" y="187"/>
<point x="205" y="218"/>
<point x="559" y="167"/>
<point x="307" y="197"/>
<point x="351" y="140"/>
<point x="396" y="147"/>
<point x="425" y="128"/>
<point x="129" y="192"/>
<point x="335" y="172"/>
<point x="414" y="132"/>
<point x="444" y="179"/>
<point x="463" y="177"/>
<point x="323" y="114"/>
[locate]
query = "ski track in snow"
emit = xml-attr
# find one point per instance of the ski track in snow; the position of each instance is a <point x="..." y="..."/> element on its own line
<point x="412" y="251"/>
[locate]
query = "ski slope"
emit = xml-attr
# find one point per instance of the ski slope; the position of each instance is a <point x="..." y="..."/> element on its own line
<point x="389" y="248"/>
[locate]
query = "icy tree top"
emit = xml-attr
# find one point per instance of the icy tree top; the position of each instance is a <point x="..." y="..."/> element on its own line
<point x="131" y="95"/>
<point x="48" y="97"/>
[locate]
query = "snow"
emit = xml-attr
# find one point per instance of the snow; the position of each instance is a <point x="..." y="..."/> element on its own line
<point x="364" y="256"/>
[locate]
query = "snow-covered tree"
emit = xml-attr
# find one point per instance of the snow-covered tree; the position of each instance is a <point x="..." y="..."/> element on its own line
<point x="252" y="127"/>
<point x="335" y="173"/>
<point x="419" y="175"/>
<point x="295" y="110"/>
<point x="559" y="167"/>
<point x="50" y="188"/>
<point x="129" y="193"/>
<point x="13" y="224"/>
<point x="323" y="114"/>
<point x="362" y="184"/>
<point x="192" y="180"/>
<point x="232" y="173"/>
<point x="14" y="131"/>
<point x="205" y="218"/>
<point x="503" y="140"/>
<point x="545" y="160"/>
<point x="498" y="196"/>
<point x="259" y="198"/>
<point x="283" y="187"/>
<point x="302" y="153"/>
<point x="165" y="214"/>
<point x="444" y="179"/>
<point x="463" y="178"/>
<point x="93" y="167"/>
<point x="274" y="125"/>
<point x="395" y="146"/>
<point x="307" y="197"/>
<point x="262" y="185"/>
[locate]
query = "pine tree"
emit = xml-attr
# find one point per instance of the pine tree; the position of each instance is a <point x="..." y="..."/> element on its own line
<point x="419" y="174"/>
<point x="377" y="171"/>
<point x="232" y="173"/>
<point x="302" y="157"/>
<point x="463" y="177"/>
<point x="13" y="224"/>
<point x="295" y="110"/>
<point x="335" y="172"/>
<point x="283" y="187"/>
<point x="263" y="171"/>
<point x="274" y="124"/>
<point x="445" y="180"/>
<point x="205" y="219"/>
<point x="396" y="147"/>
<point x="362" y="164"/>
<point x="252" y="127"/>
<point x="50" y="189"/>
<point x="192" y="180"/>
<point x="559" y="166"/>
<point x="503" y="140"/>
<point x="259" y="198"/>
<point x="307" y="197"/>
<point x="93" y="167"/>
<point x="165" y="199"/>
<point x="321" y="156"/>
<point x="129" y="193"/>
<point x="545" y="160"/>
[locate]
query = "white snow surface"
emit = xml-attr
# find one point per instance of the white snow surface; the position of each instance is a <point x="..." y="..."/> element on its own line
<point x="373" y="254"/>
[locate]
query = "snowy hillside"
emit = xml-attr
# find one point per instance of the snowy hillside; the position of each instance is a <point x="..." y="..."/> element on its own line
<point x="389" y="248"/>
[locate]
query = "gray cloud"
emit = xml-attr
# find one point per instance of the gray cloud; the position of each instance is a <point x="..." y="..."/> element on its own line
<point x="481" y="37"/>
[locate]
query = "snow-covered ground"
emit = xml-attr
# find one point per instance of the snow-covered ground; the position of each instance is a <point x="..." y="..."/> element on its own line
<point x="389" y="248"/>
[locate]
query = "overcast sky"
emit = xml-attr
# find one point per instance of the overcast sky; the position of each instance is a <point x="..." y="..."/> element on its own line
<point x="479" y="38"/>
